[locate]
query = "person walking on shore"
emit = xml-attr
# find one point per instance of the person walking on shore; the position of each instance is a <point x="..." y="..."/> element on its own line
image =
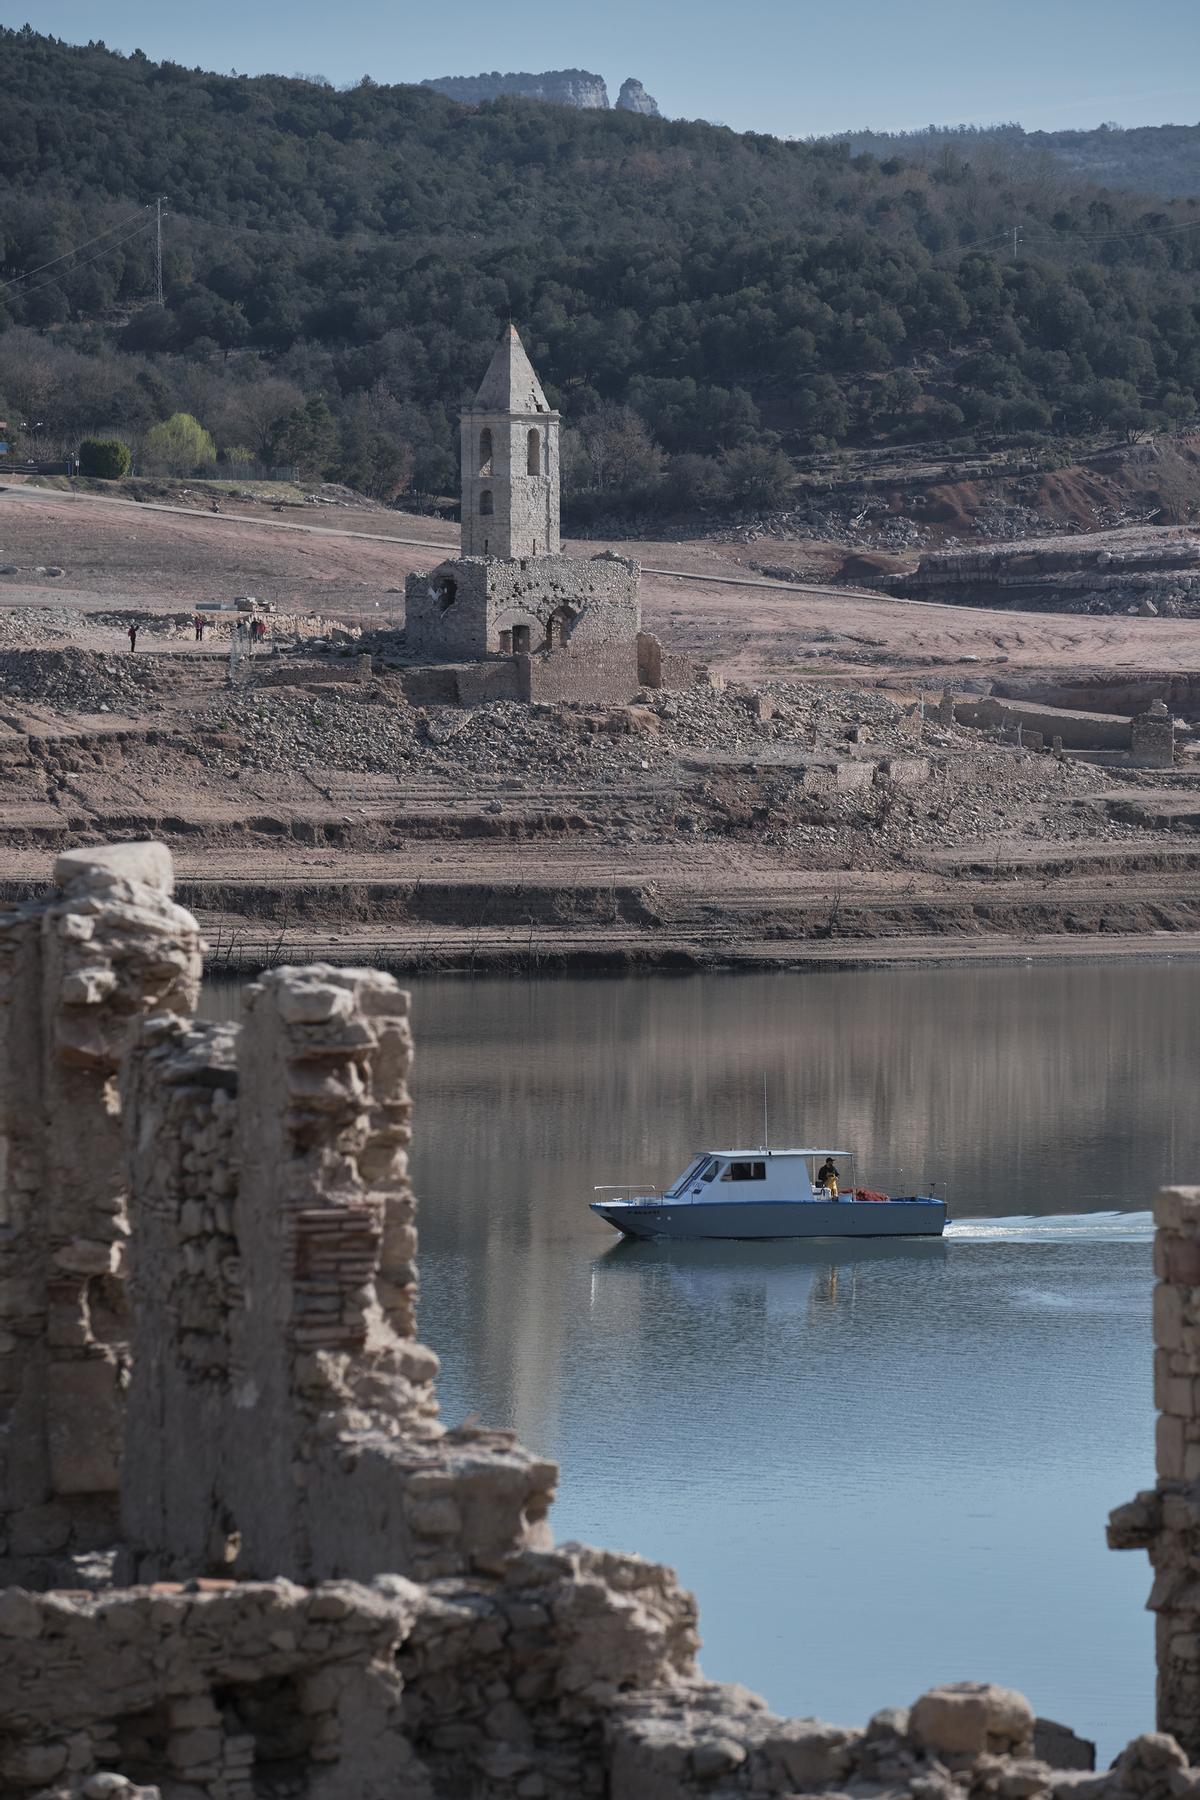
<point x="133" y="631"/>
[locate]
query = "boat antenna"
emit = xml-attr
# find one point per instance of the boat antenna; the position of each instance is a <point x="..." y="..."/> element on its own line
<point x="766" y="1133"/>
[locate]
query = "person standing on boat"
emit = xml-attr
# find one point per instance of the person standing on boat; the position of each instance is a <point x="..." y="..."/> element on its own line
<point x="828" y="1178"/>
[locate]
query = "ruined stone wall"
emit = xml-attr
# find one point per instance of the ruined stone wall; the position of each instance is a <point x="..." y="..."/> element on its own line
<point x="76" y="976"/>
<point x="282" y="1416"/>
<point x="1152" y="739"/>
<point x="1165" y="1520"/>
<point x="461" y="609"/>
<point x="445" y="611"/>
<point x="1078" y="730"/>
<point x="607" y="675"/>
<point x="210" y="1692"/>
<point x="476" y="684"/>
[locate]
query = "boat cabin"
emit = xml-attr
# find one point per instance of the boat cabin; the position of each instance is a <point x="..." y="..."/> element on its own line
<point x="726" y="1175"/>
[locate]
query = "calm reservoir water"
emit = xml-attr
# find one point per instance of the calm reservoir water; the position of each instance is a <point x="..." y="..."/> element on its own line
<point x="879" y="1467"/>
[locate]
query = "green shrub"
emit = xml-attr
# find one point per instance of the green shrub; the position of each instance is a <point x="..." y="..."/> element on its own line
<point x="104" y="459"/>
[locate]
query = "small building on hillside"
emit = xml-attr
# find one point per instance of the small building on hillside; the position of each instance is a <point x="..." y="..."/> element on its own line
<point x="552" y="627"/>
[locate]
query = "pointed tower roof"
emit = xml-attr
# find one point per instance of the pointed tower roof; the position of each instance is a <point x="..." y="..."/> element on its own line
<point x="510" y="385"/>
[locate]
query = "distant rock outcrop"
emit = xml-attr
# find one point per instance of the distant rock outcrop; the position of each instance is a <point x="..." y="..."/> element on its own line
<point x="566" y="87"/>
<point x="634" y="98"/>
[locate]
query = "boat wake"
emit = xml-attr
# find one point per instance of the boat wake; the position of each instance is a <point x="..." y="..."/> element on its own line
<point x="1056" y="1228"/>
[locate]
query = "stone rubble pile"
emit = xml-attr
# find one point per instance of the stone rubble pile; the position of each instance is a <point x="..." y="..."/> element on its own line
<point x="38" y="624"/>
<point x="79" y="680"/>
<point x="711" y="761"/>
<point x="365" y="729"/>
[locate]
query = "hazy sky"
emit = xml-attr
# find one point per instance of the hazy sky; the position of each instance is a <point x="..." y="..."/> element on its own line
<point x="785" y="66"/>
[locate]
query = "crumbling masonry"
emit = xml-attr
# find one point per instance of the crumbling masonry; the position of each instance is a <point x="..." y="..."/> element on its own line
<point x="1166" y="1520"/>
<point x="552" y="627"/>
<point x="245" y="1558"/>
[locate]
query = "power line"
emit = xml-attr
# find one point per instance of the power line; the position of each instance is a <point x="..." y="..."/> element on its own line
<point x="54" y="260"/>
<point x="28" y="293"/>
<point x="1068" y="241"/>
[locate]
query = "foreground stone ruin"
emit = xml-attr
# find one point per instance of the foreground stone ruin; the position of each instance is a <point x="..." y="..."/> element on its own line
<point x="244" y="1556"/>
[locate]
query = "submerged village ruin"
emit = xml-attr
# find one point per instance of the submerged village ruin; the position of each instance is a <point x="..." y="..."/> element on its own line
<point x="242" y="1557"/>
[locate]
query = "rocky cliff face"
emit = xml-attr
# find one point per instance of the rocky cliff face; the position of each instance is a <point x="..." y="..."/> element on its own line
<point x="566" y="87"/>
<point x="634" y="98"/>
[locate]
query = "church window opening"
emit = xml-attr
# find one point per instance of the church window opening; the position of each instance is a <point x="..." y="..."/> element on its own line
<point x="485" y="451"/>
<point x="447" y="592"/>
<point x="534" y="454"/>
<point x="486" y="502"/>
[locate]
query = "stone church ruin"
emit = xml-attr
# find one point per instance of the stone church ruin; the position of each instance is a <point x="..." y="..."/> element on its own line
<point x="242" y="1555"/>
<point x="513" y="616"/>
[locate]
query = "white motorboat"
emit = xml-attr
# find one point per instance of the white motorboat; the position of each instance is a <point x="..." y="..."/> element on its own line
<point x="769" y="1194"/>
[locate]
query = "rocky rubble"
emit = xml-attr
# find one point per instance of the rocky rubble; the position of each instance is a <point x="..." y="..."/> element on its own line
<point x="78" y="680"/>
<point x="369" y="730"/>
<point x="720" y="762"/>
<point x="36" y="624"/>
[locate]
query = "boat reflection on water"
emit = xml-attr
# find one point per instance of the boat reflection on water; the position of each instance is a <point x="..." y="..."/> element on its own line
<point x="785" y="1278"/>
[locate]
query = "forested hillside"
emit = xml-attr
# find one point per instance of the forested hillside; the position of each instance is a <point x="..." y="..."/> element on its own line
<point x="1149" y="159"/>
<point x="337" y="266"/>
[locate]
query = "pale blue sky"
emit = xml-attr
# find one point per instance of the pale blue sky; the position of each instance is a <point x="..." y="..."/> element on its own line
<point x="785" y="66"/>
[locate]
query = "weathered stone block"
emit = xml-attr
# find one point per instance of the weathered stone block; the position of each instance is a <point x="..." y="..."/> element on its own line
<point x="968" y="1718"/>
<point x="1168" y="1316"/>
<point x="1169" y="1448"/>
<point x="144" y="865"/>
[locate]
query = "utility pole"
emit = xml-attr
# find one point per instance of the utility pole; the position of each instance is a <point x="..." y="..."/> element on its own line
<point x="158" y="286"/>
<point x="1016" y="240"/>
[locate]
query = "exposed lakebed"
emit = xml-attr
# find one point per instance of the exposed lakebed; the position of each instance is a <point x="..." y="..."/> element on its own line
<point x="878" y="1466"/>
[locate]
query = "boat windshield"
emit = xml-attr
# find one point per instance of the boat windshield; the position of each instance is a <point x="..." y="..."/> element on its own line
<point x="700" y="1169"/>
<point x="693" y="1168"/>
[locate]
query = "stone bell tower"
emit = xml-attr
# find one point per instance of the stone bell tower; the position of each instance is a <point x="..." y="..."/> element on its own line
<point x="510" y="482"/>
